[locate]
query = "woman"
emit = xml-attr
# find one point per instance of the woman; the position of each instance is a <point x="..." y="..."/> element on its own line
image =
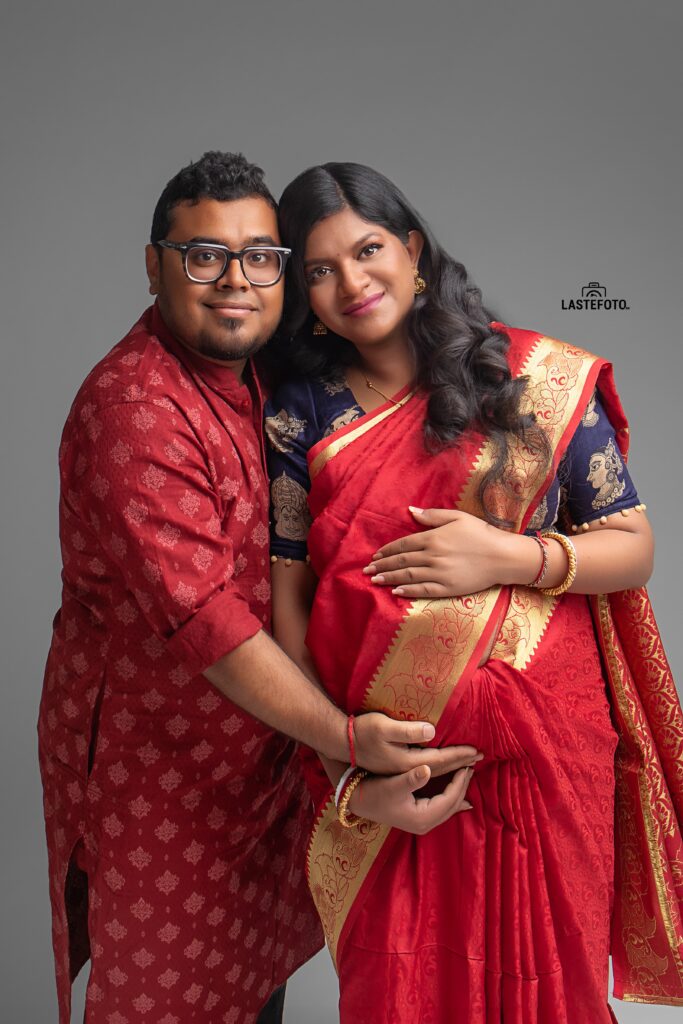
<point x="414" y="401"/>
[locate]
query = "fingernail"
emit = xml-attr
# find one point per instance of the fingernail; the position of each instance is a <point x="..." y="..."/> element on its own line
<point x="370" y="568"/>
<point x="377" y="554"/>
<point x="414" y="508"/>
<point x="377" y="579"/>
<point x="428" y="732"/>
<point x="398" y="591"/>
<point x="479" y="757"/>
<point x="466" y="806"/>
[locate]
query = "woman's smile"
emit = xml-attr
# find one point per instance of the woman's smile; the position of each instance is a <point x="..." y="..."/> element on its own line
<point x="364" y="306"/>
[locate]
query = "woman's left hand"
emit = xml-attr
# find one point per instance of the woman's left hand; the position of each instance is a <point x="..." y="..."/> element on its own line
<point x="459" y="555"/>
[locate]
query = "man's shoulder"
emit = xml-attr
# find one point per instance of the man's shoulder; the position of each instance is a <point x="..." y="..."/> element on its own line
<point x="139" y="368"/>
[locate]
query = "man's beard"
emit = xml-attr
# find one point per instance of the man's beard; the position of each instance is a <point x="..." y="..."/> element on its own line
<point x="233" y="349"/>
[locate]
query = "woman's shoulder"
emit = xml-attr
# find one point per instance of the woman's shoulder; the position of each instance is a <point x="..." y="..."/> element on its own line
<point x="543" y="351"/>
<point x="308" y="408"/>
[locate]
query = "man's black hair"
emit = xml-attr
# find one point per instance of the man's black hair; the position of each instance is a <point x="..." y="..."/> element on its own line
<point x="222" y="176"/>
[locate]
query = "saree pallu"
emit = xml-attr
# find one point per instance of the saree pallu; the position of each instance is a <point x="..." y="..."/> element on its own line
<point x="507" y="912"/>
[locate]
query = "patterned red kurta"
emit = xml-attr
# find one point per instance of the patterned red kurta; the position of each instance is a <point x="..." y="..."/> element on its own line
<point x="176" y="823"/>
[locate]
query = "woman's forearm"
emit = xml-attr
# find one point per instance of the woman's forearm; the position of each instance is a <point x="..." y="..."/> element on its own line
<point x="611" y="556"/>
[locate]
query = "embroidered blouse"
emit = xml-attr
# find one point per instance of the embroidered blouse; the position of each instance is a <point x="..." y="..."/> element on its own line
<point x="592" y="479"/>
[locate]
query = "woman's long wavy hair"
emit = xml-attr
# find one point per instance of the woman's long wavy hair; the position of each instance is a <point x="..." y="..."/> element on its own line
<point x="461" y="360"/>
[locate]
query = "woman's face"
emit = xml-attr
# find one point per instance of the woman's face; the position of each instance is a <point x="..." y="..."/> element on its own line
<point x="361" y="278"/>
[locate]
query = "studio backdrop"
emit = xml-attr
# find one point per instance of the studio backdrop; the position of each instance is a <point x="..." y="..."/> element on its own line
<point x="542" y="142"/>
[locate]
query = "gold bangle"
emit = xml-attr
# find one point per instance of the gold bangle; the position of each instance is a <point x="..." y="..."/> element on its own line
<point x="348" y="821"/>
<point x="570" y="552"/>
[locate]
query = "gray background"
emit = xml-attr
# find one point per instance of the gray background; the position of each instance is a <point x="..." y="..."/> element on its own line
<point x="542" y="141"/>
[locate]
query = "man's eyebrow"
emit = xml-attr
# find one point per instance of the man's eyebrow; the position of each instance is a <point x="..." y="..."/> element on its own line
<point x="360" y="241"/>
<point x="254" y="240"/>
<point x="261" y="240"/>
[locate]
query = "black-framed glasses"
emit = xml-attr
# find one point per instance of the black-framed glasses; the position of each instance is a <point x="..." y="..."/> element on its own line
<point x="203" y="263"/>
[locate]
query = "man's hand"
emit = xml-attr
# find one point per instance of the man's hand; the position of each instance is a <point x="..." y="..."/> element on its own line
<point x="391" y="801"/>
<point x="388" y="747"/>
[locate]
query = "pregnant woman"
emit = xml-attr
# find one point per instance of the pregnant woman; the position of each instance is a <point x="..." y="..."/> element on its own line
<point x="457" y="539"/>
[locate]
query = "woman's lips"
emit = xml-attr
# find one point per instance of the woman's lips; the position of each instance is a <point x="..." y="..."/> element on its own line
<point x="361" y="308"/>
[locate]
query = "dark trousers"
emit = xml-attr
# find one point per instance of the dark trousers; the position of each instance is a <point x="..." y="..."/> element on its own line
<point x="272" y="1011"/>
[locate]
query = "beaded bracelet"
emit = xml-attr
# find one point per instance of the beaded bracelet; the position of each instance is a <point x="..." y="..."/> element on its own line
<point x="348" y="821"/>
<point x="570" y="552"/>
<point x="543" y="544"/>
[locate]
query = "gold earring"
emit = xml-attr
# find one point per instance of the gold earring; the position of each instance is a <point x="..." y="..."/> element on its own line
<point x="319" y="328"/>
<point x="420" y="283"/>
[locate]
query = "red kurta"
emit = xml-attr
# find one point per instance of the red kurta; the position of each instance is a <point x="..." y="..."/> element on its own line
<point x="175" y="821"/>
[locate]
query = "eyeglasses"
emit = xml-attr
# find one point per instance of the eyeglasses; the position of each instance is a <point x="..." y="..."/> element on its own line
<point x="262" y="265"/>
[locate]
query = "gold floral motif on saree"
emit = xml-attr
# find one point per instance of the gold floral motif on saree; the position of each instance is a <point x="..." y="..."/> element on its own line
<point x="649" y="801"/>
<point x="337" y="866"/>
<point x="556" y="373"/>
<point x="528" y="616"/>
<point x="434" y="644"/>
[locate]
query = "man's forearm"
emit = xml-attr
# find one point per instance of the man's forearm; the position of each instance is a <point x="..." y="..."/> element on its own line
<point x="260" y="677"/>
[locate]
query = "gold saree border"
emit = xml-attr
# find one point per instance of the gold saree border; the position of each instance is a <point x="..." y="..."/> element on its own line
<point x="339" y="860"/>
<point x="337" y="445"/>
<point x="527" y="618"/>
<point x="638" y="927"/>
<point x="432" y="648"/>
<point x="558" y="374"/>
<point x="663" y="1001"/>
<point x="437" y="640"/>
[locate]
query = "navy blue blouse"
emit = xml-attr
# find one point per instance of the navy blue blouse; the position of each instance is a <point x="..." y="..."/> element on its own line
<point x="591" y="479"/>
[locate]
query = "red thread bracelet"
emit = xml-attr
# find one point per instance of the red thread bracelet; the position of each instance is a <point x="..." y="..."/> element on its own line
<point x="352" y="746"/>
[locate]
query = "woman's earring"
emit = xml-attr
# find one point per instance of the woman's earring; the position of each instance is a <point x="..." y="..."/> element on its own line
<point x="319" y="328"/>
<point x="420" y="283"/>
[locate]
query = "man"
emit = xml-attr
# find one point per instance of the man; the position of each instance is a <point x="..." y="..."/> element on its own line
<point x="176" y="817"/>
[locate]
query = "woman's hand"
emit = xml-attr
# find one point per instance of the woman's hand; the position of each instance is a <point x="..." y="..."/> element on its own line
<point x="391" y="801"/>
<point x="385" y="746"/>
<point x="459" y="555"/>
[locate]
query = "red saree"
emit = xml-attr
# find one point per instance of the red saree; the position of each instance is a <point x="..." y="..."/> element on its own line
<point x="501" y="913"/>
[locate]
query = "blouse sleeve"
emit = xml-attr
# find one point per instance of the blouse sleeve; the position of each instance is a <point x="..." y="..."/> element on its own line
<point x="592" y="472"/>
<point x="291" y="429"/>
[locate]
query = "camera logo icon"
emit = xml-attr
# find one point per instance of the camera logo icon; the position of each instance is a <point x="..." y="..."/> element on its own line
<point x="593" y="290"/>
<point x="594" y="297"/>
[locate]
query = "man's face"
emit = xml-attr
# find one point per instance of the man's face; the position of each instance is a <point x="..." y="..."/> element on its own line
<point x="230" y="319"/>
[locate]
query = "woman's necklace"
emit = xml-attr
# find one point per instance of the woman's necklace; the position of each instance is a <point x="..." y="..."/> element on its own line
<point x="385" y="397"/>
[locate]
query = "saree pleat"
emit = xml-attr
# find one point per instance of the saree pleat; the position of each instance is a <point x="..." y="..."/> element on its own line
<point x="515" y="895"/>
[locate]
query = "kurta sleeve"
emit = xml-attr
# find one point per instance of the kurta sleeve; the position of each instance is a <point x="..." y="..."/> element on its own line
<point x="593" y="473"/>
<point x="142" y="481"/>
<point x="291" y="429"/>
